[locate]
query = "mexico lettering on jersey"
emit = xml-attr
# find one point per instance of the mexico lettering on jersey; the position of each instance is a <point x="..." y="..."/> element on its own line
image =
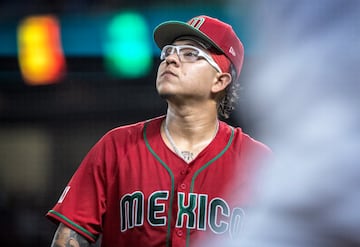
<point x="134" y="191"/>
<point x="197" y="214"/>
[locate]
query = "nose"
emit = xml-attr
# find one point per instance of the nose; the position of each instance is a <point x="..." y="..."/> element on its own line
<point x="173" y="57"/>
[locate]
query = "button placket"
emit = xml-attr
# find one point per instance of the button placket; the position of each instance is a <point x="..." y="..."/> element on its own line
<point x="180" y="233"/>
<point x="183" y="186"/>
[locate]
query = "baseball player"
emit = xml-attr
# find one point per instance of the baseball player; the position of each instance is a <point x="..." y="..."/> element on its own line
<point x="177" y="179"/>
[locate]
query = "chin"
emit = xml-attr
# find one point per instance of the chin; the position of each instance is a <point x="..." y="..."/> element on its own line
<point x="165" y="95"/>
<point x="163" y="91"/>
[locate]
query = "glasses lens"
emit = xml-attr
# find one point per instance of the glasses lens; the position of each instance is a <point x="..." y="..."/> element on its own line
<point x="166" y="51"/>
<point x="186" y="53"/>
<point x="189" y="54"/>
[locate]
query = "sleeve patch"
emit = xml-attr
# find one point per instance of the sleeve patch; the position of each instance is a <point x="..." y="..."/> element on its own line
<point x="63" y="195"/>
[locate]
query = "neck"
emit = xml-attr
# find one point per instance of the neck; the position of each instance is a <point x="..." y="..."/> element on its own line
<point x="189" y="133"/>
<point x="191" y="125"/>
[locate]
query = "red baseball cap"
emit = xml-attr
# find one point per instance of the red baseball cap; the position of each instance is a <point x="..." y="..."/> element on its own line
<point x="218" y="34"/>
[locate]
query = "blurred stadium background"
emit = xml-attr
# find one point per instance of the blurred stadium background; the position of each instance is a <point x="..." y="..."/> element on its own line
<point x="69" y="72"/>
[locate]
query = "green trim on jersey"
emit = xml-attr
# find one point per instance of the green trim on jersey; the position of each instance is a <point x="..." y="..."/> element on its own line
<point x="212" y="160"/>
<point x="203" y="168"/>
<point x="173" y="180"/>
<point x="74" y="224"/>
<point x="172" y="194"/>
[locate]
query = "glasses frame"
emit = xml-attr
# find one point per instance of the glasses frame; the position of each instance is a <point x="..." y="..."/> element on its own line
<point x="200" y="53"/>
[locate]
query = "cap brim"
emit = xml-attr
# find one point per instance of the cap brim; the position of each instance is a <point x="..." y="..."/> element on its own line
<point x="167" y="32"/>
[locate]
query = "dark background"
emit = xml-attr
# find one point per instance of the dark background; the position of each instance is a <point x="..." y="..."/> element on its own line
<point x="45" y="131"/>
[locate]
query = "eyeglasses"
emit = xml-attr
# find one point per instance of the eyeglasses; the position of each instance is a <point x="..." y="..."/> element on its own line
<point x="188" y="53"/>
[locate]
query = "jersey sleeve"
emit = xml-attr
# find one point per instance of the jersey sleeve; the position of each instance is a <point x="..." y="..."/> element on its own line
<point x="83" y="201"/>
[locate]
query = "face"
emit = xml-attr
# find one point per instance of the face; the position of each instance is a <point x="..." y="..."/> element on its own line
<point x="180" y="79"/>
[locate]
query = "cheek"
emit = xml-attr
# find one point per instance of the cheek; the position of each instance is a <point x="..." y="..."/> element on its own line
<point x="160" y="68"/>
<point x="201" y="74"/>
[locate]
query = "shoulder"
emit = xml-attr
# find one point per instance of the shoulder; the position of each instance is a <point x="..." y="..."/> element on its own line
<point x="120" y="140"/>
<point x="254" y="143"/>
<point x="246" y="142"/>
<point x="130" y="132"/>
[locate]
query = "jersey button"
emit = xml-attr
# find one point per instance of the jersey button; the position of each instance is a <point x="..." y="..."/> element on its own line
<point x="183" y="172"/>
<point x="183" y="186"/>
<point x="180" y="233"/>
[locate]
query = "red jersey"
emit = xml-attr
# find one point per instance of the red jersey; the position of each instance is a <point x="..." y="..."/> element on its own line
<point x="134" y="191"/>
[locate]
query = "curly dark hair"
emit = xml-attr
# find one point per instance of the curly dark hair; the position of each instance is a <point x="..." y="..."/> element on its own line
<point x="227" y="102"/>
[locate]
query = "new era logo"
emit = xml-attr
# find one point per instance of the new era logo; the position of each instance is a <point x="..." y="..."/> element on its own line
<point x="232" y="51"/>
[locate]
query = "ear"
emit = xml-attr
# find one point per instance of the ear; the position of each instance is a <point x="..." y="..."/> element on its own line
<point x="222" y="81"/>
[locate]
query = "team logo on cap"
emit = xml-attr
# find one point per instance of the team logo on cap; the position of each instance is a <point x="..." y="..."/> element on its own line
<point x="196" y="22"/>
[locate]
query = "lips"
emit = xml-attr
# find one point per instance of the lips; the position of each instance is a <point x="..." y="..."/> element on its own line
<point x="168" y="72"/>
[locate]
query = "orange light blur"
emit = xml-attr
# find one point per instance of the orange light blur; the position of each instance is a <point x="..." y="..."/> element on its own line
<point x="41" y="58"/>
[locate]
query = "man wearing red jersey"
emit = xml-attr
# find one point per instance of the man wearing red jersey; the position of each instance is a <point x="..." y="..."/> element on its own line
<point x="178" y="179"/>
